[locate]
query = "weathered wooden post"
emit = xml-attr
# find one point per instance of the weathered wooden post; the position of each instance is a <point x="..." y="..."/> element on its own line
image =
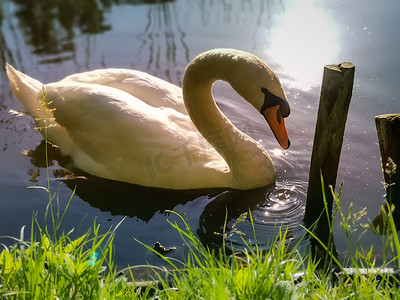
<point x="388" y="129"/>
<point x="336" y="92"/>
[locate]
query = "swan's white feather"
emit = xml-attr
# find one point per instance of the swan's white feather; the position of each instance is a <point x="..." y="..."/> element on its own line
<point x="130" y="126"/>
<point x="150" y="89"/>
<point x="115" y="135"/>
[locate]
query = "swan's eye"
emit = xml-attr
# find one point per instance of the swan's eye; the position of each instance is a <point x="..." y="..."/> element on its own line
<point x="264" y="90"/>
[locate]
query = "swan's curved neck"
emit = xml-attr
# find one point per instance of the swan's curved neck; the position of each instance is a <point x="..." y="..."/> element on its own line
<point x="248" y="161"/>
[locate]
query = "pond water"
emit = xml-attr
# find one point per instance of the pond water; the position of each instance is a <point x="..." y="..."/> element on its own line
<point x="51" y="39"/>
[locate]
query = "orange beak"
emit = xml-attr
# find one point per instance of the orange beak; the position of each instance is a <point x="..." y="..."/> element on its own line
<point x="277" y="124"/>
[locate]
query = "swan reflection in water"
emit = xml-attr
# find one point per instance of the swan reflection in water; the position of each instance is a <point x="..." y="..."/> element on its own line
<point x="270" y="207"/>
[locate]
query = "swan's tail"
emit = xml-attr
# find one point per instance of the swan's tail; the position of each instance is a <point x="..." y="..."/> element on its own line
<point x="28" y="91"/>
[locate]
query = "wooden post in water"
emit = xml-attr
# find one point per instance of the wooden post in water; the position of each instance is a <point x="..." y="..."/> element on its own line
<point x="388" y="129"/>
<point x="336" y="92"/>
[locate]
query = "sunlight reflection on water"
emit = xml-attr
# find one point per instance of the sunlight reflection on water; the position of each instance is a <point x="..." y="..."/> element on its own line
<point x="302" y="50"/>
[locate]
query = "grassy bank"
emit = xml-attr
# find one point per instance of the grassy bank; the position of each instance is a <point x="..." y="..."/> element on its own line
<point x="52" y="265"/>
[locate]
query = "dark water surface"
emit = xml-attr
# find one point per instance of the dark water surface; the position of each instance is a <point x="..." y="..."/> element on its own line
<point x="52" y="39"/>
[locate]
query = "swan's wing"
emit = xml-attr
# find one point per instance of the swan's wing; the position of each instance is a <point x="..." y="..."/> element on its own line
<point x="119" y="137"/>
<point x="150" y="89"/>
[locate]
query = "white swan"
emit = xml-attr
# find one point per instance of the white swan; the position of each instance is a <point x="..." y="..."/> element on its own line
<point x="130" y="126"/>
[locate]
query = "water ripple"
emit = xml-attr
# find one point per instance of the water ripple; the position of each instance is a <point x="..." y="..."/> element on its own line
<point x="282" y="210"/>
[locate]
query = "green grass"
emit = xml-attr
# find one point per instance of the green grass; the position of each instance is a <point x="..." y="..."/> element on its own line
<point x="252" y="274"/>
<point x="52" y="265"/>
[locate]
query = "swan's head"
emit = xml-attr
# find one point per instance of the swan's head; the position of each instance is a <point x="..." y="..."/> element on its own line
<point x="260" y="86"/>
<point x="249" y="76"/>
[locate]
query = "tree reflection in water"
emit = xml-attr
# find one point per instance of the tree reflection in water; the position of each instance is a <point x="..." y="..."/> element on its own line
<point x="50" y="27"/>
<point x="161" y="33"/>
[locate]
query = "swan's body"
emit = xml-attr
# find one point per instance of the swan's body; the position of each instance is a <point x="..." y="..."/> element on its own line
<point x="130" y="126"/>
<point x="149" y="89"/>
